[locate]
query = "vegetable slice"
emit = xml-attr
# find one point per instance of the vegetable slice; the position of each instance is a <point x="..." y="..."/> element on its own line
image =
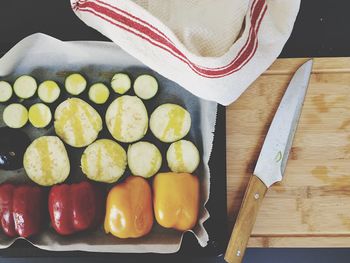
<point x="25" y="86"/>
<point x="104" y="161"/>
<point x="75" y="84"/>
<point x="121" y="83"/>
<point x="77" y="123"/>
<point x="127" y="119"/>
<point x="5" y="91"/>
<point x="15" y="115"/>
<point x="98" y="93"/>
<point x="144" y="159"/>
<point x="46" y="161"/>
<point x="182" y="157"/>
<point x="49" y="91"/>
<point x="39" y="115"/>
<point x="146" y="87"/>
<point x="170" y="122"/>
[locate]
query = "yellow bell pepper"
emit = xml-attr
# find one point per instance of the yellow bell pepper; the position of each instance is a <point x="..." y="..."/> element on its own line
<point x="129" y="209"/>
<point x="176" y="200"/>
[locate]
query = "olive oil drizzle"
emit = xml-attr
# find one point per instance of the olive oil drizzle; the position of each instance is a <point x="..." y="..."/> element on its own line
<point x="42" y="147"/>
<point x="99" y="163"/>
<point x="179" y="156"/>
<point x="50" y="87"/>
<point x="176" y="121"/>
<point x="115" y="152"/>
<point x="118" y="119"/>
<point x="38" y="116"/>
<point x="153" y="163"/>
<point x="96" y="122"/>
<point x="71" y="114"/>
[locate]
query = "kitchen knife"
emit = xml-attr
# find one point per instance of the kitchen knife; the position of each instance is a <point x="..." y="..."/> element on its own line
<point x="271" y="162"/>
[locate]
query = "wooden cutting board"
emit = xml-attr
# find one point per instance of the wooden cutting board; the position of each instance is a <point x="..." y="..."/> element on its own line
<point x="311" y="206"/>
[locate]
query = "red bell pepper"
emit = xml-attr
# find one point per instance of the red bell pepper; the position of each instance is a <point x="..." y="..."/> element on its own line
<point x="75" y="207"/>
<point x="21" y="209"/>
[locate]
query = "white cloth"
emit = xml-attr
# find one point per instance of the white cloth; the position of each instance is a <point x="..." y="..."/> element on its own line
<point x="214" y="49"/>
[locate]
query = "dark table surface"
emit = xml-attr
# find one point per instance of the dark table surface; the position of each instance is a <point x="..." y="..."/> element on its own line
<point x="322" y="29"/>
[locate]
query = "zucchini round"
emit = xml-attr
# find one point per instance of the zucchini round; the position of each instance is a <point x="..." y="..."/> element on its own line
<point x="25" y="87"/>
<point x="182" y="157"/>
<point x="39" y="115"/>
<point x="146" y="87"/>
<point x="5" y="91"/>
<point x="77" y="123"/>
<point x="104" y="161"/>
<point x="49" y="91"/>
<point x="144" y="159"/>
<point x="170" y="122"/>
<point x="46" y="161"/>
<point x="75" y="84"/>
<point x="121" y="83"/>
<point x="99" y="93"/>
<point x="15" y="115"/>
<point x="127" y="119"/>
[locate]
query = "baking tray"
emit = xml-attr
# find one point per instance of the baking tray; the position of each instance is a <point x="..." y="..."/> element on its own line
<point x="216" y="226"/>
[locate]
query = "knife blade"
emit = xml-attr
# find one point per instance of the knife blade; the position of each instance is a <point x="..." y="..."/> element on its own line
<point x="272" y="161"/>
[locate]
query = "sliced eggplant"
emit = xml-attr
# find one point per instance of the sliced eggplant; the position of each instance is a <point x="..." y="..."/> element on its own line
<point x="49" y="91"/>
<point x="13" y="144"/>
<point x="46" y="161"/>
<point x="75" y="84"/>
<point x="146" y="87"/>
<point x="77" y="123"/>
<point x="39" y="115"/>
<point x="183" y="157"/>
<point x="25" y="87"/>
<point x="121" y="83"/>
<point x="15" y="115"/>
<point x="104" y="161"/>
<point x="144" y="159"/>
<point x="99" y="93"/>
<point x="170" y="122"/>
<point x="127" y="119"/>
<point x="5" y="91"/>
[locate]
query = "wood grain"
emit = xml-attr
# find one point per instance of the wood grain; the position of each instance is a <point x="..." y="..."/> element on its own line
<point x="244" y="224"/>
<point x="311" y="206"/>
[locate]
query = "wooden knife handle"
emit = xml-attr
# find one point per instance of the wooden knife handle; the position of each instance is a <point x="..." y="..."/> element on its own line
<point x="243" y="227"/>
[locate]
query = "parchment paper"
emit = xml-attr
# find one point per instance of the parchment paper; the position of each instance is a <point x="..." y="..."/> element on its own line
<point x="44" y="58"/>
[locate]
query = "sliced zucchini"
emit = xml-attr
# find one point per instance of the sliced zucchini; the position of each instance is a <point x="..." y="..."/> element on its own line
<point x="49" y="91"/>
<point x="170" y="122"/>
<point x="39" y="115"/>
<point x="25" y="87"/>
<point x="104" y="161"/>
<point x="127" y="119"/>
<point x="75" y="84"/>
<point x="144" y="159"/>
<point x="99" y="93"/>
<point x="15" y="115"/>
<point x="182" y="157"/>
<point x="121" y="83"/>
<point x="146" y="87"/>
<point x="77" y="123"/>
<point x="46" y="161"/>
<point x="5" y="91"/>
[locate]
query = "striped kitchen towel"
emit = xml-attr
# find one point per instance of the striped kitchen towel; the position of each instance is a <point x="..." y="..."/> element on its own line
<point x="214" y="49"/>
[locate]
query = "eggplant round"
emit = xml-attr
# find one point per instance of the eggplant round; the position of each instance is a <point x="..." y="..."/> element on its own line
<point x="13" y="144"/>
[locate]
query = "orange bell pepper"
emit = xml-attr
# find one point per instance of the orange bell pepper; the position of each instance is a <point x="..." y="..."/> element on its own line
<point x="176" y="200"/>
<point x="129" y="209"/>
